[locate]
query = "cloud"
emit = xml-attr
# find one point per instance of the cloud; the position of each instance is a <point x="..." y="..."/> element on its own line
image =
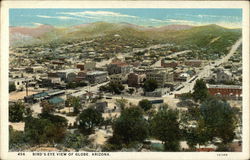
<point x="157" y="20"/>
<point x="37" y="24"/>
<point x="95" y="14"/>
<point x="42" y="16"/>
<point x="226" y="24"/>
<point x="178" y="21"/>
<point x="58" y="17"/>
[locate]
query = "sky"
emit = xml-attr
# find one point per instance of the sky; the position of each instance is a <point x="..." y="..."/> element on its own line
<point x="153" y="17"/>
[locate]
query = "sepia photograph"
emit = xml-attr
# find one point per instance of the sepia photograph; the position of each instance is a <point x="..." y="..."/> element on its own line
<point x="97" y="81"/>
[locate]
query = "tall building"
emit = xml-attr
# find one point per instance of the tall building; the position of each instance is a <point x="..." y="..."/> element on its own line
<point x="159" y="76"/>
<point x="96" y="76"/>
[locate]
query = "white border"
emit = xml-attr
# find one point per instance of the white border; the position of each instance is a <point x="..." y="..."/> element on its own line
<point x="124" y="4"/>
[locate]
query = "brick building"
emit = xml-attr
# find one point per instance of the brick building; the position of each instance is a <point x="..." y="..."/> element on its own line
<point x="226" y="91"/>
<point x="193" y="63"/>
<point x="135" y="80"/>
<point x="170" y="64"/>
<point x="117" y="67"/>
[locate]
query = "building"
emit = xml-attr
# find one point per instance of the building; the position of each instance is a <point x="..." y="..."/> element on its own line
<point x="101" y="106"/>
<point x="20" y="82"/>
<point x="35" y="69"/>
<point x="222" y="76"/>
<point x="159" y="76"/>
<point x="96" y="76"/>
<point x="159" y="92"/>
<point x="183" y="77"/>
<point x="193" y="63"/>
<point x="226" y="91"/>
<point x="16" y="74"/>
<point x="168" y="64"/>
<point x="118" y="78"/>
<point x="143" y="70"/>
<point x="136" y="80"/>
<point x="81" y="76"/>
<point x="118" y="67"/>
<point x="88" y="66"/>
<point x="43" y="95"/>
<point x="57" y="102"/>
<point x="80" y="66"/>
<point x="67" y="75"/>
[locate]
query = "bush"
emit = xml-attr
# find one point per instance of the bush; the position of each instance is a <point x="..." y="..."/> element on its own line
<point x="12" y="87"/>
<point x="145" y="104"/>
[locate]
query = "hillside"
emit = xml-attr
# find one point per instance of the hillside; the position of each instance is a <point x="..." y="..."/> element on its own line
<point x="129" y="34"/>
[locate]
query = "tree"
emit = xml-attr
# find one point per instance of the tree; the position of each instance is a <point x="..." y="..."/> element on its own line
<point x="47" y="108"/>
<point x="75" y="103"/>
<point x="113" y="88"/>
<point x="75" y="140"/>
<point x="165" y="127"/>
<point x="121" y="103"/>
<point x="145" y="104"/>
<point x="18" y="111"/>
<point x="196" y="134"/>
<point x="150" y="85"/>
<point x="12" y="87"/>
<point x="16" y="139"/>
<point x="130" y="126"/>
<point x="89" y="119"/>
<point x="200" y="91"/>
<point x="220" y="120"/>
<point x="131" y="90"/>
<point x="49" y="128"/>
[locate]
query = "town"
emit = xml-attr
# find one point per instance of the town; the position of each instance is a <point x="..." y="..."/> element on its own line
<point x="82" y="96"/>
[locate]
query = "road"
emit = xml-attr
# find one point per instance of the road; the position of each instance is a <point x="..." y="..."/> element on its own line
<point x="207" y="69"/>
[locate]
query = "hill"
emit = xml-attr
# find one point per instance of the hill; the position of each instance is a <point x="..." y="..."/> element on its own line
<point x="196" y="36"/>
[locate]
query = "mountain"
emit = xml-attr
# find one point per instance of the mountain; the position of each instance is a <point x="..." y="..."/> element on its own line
<point x="179" y="34"/>
<point x="25" y="35"/>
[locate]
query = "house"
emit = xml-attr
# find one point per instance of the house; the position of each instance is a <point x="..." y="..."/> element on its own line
<point x="184" y="77"/>
<point x="16" y="75"/>
<point x="226" y="91"/>
<point x="20" y="83"/>
<point x="136" y="80"/>
<point x="222" y="75"/>
<point x="80" y="66"/>
<point x="88" y="66"/>
<point x="96" y="76"/>
<point x="101" y="106"/>
<point x="35" y="69"/>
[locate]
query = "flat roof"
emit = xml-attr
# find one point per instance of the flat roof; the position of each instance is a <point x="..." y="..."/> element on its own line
<point x="224" y="86"/>
<point x="68" y="70"/>
<point x="96" y="72"/>
<point x="56" y="100"/>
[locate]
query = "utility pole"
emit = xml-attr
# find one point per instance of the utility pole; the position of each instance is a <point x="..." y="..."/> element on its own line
<point x="26" y="86"/>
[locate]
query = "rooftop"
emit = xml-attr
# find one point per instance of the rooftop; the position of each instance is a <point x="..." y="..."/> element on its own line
<point x="96" y="72"/>
<point x="68" y="70"/>
<point x="224" y="86"/>
<point x="56" y="100"/>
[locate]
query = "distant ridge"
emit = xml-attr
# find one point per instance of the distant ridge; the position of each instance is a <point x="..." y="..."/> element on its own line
<point x="170" y="33"/>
